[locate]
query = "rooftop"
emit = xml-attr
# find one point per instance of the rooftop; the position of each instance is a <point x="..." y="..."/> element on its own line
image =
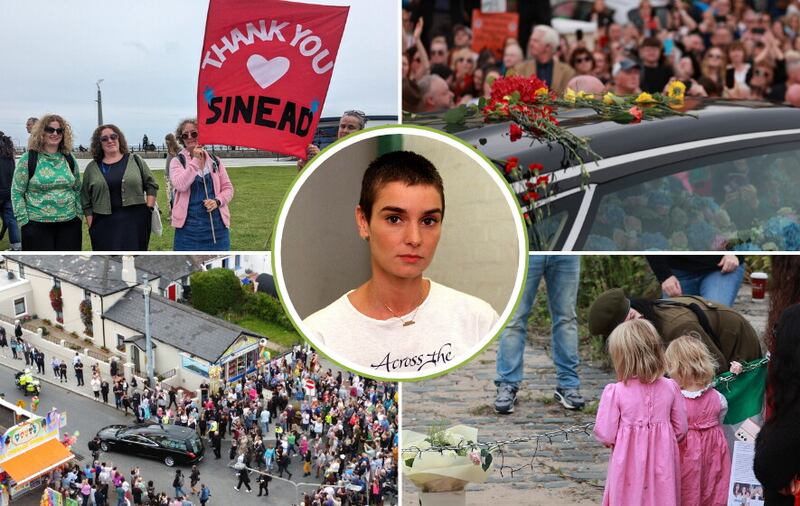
<point x="177" y="325"/>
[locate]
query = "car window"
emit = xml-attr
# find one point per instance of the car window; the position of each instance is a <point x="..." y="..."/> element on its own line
<point x="173" y="444"/>
<point x="733" y="201"/>
<point x="193" y="444"/>
<point x="133" y="438"/>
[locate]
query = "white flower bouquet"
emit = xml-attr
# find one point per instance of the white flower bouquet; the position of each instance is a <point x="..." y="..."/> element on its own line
<point x="442" y="475"/>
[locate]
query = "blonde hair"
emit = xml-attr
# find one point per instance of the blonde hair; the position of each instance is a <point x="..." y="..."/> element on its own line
<point x="688" y="360"/>
<point x="636" y="351"/>
<point x="36" y="140"/>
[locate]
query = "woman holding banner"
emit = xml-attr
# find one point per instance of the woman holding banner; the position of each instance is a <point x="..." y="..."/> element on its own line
<point x="203" y="190"/>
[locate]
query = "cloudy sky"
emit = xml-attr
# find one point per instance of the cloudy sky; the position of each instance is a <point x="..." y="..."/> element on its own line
<point x="148" y="54"/>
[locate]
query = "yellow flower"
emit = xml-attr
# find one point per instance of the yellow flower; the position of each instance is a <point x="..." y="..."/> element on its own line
<point x="644" y="98"/>
<point x="676" y="91"/>
<point x="608" y="98"/>
<point x="569" y="95"/>
<point x="542" y="91"/>
<point x="587" y="96"/>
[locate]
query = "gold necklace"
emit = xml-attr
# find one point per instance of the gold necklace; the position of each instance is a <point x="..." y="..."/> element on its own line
<point x="410" y="321"/>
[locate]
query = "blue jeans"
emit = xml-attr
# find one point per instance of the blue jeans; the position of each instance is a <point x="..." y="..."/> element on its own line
<point x="561" y="273"/>
<point x="715" y="286"/>
<point x="10" y="221"/>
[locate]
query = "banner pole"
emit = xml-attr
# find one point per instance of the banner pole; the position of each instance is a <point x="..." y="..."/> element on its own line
<point x="210" y="218"/>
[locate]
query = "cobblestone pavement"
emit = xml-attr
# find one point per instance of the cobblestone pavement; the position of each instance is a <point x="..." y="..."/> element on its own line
<point x="563" y="472"/>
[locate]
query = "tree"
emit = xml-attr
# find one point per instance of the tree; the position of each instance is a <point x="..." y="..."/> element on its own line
<point x="215" y="291"/>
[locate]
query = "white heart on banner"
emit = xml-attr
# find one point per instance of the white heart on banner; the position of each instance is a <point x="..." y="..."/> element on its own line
<point x="267" y="72"/>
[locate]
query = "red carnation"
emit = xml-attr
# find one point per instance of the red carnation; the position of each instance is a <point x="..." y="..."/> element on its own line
<point x="535" y="167"/>
<point x="511" y="163"/>
<point x="636" y="113"/>
<point x="515" y="132"/>
<point x="542" y="180"/>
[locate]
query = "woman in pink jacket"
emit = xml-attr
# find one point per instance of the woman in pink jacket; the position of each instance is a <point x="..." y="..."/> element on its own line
<point x="200" y="212"/>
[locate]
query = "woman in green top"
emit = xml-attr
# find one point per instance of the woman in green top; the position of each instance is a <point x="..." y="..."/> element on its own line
<point x="118" y="194"/>
<point x="45" y="191"/>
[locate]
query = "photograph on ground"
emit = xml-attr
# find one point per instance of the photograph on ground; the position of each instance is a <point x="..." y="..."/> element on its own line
<point x="180" y="135"/>
<point x="621" y="380"/>
<point x="622" y="127"/>
<point x="400" y="252"/>
<point x="155" y="379"/>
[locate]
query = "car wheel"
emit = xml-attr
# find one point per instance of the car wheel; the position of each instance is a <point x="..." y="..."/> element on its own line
<point x="103" y="446"/>
<point x="169" y="461"/>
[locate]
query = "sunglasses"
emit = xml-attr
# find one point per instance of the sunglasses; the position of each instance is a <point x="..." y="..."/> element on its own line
<point x="715" y="56"/>
<point x="186" y="135"/>
<point x="761" y="73"/>
<point x="583" y="59"/>
<point x="51" y="130"/>
<point x="106" y="138"/>
<point x="438" y="51"/>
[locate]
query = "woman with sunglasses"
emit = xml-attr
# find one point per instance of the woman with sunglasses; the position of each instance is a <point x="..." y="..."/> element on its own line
<point x="46" y="188"/>
<point x="203" y="190"/>
<point x="582" y="61"/>
<point x="713" y="69"/>
<point x="462" y="63"/>
<point x="351" y="121"/>
<point x="118" y="194"/>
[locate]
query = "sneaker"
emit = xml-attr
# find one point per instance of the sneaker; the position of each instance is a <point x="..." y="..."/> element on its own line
<point x="506" y="398"/>
<point x="569" y="398"/>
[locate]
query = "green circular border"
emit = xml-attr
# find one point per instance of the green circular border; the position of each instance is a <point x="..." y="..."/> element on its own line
<point x="465" y="361"/>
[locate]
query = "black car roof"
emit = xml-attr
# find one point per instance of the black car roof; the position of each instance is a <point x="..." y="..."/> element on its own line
<point x="715" y="118"/>
<point x="157" y="428"/>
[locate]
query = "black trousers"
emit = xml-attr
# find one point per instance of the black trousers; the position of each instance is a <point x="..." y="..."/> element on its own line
<point x="59" y="236"/>
<point x="242" y="481"/>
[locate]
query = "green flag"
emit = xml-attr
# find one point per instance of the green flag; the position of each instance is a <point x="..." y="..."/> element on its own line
<point x="745" y="392"/>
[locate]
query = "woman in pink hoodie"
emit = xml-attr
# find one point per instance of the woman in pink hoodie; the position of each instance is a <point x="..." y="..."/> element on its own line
<point x="200" y="212"/>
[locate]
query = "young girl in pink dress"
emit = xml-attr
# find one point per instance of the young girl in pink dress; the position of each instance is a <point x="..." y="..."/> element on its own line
<point x="705" y="457"/>
<point x="641" y="418"/>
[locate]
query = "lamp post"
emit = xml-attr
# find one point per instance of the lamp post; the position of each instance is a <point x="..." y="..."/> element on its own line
<point x="148" y="342"/>
<point x="99" y="103"/>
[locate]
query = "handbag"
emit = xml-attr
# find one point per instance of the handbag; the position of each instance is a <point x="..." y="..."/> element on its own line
<point x="156" y="227"/>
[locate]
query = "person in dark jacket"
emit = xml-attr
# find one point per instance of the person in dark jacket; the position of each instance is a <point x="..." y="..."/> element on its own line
<point x="6" y="176"/>
<point x="244" y="479"/>
<point x="777" y="458"/>
<point x="263" y="484"/>
<point x="727" y="334"/>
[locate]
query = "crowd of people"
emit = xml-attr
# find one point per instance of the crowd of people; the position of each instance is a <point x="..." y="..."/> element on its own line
<point x="342" y="428"/>
<point x="736" y="49"/>
<point x="46" y="198"/>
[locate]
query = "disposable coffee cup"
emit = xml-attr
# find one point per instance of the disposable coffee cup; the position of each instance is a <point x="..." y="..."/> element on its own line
<point x="759" y="282"/>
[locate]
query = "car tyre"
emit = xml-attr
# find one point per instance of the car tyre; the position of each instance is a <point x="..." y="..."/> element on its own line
<point x="169" y="461"/>
<point x="103" y="446"/>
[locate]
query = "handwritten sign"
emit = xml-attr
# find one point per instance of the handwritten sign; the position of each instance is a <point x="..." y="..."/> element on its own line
<point x="264" y="72"/>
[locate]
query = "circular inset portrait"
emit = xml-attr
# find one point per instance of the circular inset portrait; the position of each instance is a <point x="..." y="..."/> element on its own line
<point x="400" y="252"/>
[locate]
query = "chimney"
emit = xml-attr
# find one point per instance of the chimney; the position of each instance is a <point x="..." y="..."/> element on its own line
<point x="129" y="270"/>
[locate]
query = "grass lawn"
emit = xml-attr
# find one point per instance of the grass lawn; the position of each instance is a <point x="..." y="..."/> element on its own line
<point x="258" y="191"/>
<point x="275" y="333"/>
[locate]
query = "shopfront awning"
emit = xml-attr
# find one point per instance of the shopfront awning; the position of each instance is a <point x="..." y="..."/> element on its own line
<point x="36" y="461"/>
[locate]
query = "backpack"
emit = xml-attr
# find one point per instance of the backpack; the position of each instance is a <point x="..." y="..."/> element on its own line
<point x="33" y="159"/>
<point x="214" y="161"/>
